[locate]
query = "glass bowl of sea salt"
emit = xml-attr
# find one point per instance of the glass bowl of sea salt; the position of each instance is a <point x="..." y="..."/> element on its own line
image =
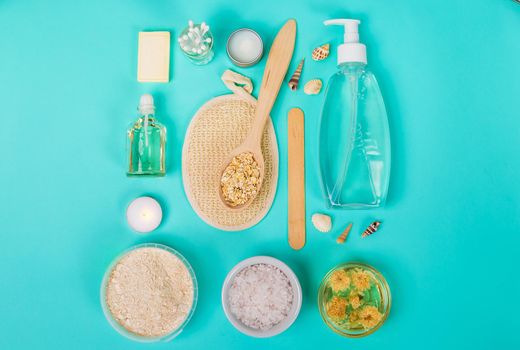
<point x="149" y="293"/>
<point x="261" y="296"/>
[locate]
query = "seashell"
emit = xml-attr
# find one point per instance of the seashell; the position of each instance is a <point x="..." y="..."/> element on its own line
<point x="341" y="239"/>
<point x="322" y="222"/>
<point x="313" y="87"/>
<point x="295" y="78"/>
<point x="371" y="229"/>
<point x="321" y="52"/>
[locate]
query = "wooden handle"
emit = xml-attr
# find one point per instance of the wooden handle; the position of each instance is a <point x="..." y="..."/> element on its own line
<point x="275" y="69"/>
<point x="296" y="178"/>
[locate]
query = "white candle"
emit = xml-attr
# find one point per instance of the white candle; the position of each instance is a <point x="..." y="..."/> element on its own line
<point x="245" y="47"/>
<point x="144" y="214"/>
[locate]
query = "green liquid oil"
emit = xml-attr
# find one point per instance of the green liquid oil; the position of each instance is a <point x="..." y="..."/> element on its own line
<point x="146" y="148"/>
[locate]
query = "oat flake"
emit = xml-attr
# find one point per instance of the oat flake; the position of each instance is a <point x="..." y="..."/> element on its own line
<point x="241" y="179"/>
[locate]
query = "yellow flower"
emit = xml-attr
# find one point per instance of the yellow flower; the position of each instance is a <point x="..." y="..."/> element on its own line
<point x="354" y="300"/>
<point x="369" y="317"/>
<point x="353" y="317"/>
<point x="337" y="308"/>
<point x="360" y="280"/>
<point x="339" y="280"/>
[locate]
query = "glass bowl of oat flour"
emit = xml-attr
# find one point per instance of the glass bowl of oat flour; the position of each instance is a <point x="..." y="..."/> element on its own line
<point x="149" y="293"/>
<point x="261" y="296"/>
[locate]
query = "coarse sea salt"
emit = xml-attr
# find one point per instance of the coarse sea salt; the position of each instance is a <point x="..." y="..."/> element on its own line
<point x="260" y="296"/>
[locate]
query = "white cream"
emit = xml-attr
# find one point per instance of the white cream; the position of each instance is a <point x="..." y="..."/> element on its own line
<point x="245" y="46"/>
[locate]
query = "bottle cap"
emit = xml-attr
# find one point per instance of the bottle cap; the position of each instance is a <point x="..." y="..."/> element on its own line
<point x="146" y="105"/>
<point x="351" y="50"/>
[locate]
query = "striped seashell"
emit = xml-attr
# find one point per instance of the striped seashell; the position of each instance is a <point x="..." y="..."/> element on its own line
<point x="321" y="52"/>
<point x="341" y="239"/>
<point x="322" y="222"/>
<point x="313" y="87"/>
<point x="295" y="78"/>
<point x="371" y="229"/>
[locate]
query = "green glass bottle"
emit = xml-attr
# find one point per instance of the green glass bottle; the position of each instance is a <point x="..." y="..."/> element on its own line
<point x="146" y="142"/>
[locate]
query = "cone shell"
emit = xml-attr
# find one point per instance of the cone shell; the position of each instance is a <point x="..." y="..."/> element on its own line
<point x="322" y="222"/>
<point x="295" y="78"/>
<point x="321" y="52"/>
<point x="341" y="239"/>
<point x="313" y="87"/>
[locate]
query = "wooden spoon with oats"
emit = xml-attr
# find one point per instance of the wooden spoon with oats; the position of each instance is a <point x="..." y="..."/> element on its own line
<point x="243" y="172"/>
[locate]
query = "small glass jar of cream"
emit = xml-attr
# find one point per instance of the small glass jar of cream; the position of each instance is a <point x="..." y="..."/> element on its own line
<point x="245" y="47"/>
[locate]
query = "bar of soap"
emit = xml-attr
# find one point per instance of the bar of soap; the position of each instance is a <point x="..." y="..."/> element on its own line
<point x="153" y="59"/>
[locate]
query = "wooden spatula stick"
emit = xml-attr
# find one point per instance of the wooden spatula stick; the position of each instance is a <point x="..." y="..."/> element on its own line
<point x="296" y="178"/>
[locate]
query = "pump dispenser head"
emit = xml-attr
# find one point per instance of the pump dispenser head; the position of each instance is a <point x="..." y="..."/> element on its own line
<point x="351" y="50"/>
<point x="146" y="105"/>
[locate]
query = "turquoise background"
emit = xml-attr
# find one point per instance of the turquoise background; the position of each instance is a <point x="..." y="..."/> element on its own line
<point x="449" y="72"/>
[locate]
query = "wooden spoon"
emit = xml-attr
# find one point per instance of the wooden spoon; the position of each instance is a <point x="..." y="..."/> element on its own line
<point x="275" y="69"/>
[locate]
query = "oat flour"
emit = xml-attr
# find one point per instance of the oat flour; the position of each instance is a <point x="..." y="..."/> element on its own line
<point x="150" y="292"/>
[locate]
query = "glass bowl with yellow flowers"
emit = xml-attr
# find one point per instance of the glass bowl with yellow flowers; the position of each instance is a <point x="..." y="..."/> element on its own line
<point x="354" y="299"/>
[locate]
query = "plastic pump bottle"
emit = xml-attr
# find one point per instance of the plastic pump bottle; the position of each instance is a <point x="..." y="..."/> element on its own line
<point x="354" y="139"/>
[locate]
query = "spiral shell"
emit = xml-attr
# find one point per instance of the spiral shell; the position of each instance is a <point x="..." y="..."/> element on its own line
<point x="372" y="228"/>
<point x="322" y="222"/>
<point x="341" y="239"/>
<point x="313" y="87"/>
<point x="321" y="52"/>
<point x="295" y="78"/>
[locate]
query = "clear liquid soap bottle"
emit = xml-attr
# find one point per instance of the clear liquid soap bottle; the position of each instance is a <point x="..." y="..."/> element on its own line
<point x="146" y="142"/>
<point x="354" y="139"/>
